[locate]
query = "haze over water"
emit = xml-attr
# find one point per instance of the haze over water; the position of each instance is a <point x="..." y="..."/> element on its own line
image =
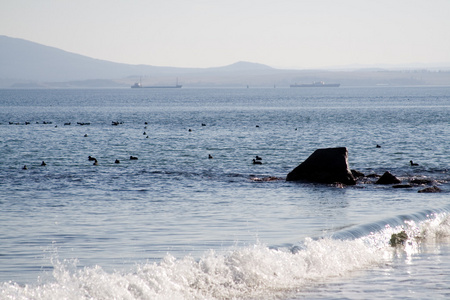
<point x="174" y="224"/>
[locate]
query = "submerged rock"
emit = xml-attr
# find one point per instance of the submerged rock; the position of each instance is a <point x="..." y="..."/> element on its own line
<point x="357" y="174"/>
<point x="420" y="181"/>
<point x="373" y="175"/>
<point x="264" y="179"/>
<point x="402" y="186"/>
<point x="388" y="178"/>
<point x="431" y="189"/>
<point x="329" y="165"/>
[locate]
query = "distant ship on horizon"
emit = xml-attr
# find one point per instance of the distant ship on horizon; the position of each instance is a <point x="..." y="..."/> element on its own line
<point x="316" y="84"/>
<point x="138" y="85"/>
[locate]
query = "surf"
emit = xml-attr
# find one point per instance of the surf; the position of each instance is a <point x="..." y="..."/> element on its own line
<point x="252" y="272"/>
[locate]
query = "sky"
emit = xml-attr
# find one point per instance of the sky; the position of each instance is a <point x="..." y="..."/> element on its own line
<point x="299" y="34"/>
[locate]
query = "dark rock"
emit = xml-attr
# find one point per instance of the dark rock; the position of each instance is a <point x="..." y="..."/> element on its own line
<point x="357" y="174"/>
<point x="373" y="176"/>
<point x="388" y="178"/>
<point x="398" y="238"/>
<point x="432" y="189"/>
<point x="329" y="165"/>
<point x="421" y="181"/>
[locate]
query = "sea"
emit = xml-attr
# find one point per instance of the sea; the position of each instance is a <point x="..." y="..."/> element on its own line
<point x="192" y="217"/>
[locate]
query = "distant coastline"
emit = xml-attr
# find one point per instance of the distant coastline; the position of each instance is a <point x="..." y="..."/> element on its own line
<point x="138" y="85"/>
<point x="318" y="84"/>
<point x="23" y="63"/>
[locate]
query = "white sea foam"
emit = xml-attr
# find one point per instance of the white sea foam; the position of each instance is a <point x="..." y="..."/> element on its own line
<point x="252" y="272"/>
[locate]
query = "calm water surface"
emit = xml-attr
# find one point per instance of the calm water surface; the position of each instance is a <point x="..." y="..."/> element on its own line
<point x="175" y="224"/>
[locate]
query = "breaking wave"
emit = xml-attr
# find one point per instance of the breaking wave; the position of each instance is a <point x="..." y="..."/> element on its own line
<point x="253" y="272"/>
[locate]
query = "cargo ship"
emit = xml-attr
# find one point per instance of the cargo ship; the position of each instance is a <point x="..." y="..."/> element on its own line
<point x="316" y="84"/>
<point x="138" y="85"/>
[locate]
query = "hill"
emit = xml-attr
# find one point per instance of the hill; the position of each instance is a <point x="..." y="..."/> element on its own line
<point x="26" y="64"/>
<point x="21" y="59"/>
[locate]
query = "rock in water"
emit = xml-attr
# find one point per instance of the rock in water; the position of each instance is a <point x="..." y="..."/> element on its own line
<point x="329" y="165"/>
<point x="398" y="239"/>
<point x="388" y="178"/>
<point x="432" y="189"/>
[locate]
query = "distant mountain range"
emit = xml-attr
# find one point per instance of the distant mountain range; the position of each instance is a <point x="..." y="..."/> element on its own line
<point x="27" y="60"/>
<point x="25" y="64"/>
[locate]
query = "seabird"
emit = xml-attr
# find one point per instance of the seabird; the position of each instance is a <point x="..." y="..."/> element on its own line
<point x="210" y="156"/>
<point x="117" y="161"/>
<point x="378" y="146"/>
<point x="43" y="163"/>
<point x="91" y="158"/>
<point x="258" y="158"/>
<point x="412" y="163"/>
<point x="25" y="167"/>
<point x="133" y="157"/>
<point x="256" y="162"/>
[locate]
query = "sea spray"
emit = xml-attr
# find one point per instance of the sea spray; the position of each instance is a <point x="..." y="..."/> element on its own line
<point x="253" y="272"/>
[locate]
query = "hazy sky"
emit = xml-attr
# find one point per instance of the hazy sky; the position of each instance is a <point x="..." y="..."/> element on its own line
<point x="200" y="33"/>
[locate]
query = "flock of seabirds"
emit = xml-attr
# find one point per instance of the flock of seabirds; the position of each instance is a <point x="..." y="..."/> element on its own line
<point x="256" y="161"/>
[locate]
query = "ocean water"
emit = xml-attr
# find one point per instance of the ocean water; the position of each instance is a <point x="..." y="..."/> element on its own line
<point x="175" y="224"/>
